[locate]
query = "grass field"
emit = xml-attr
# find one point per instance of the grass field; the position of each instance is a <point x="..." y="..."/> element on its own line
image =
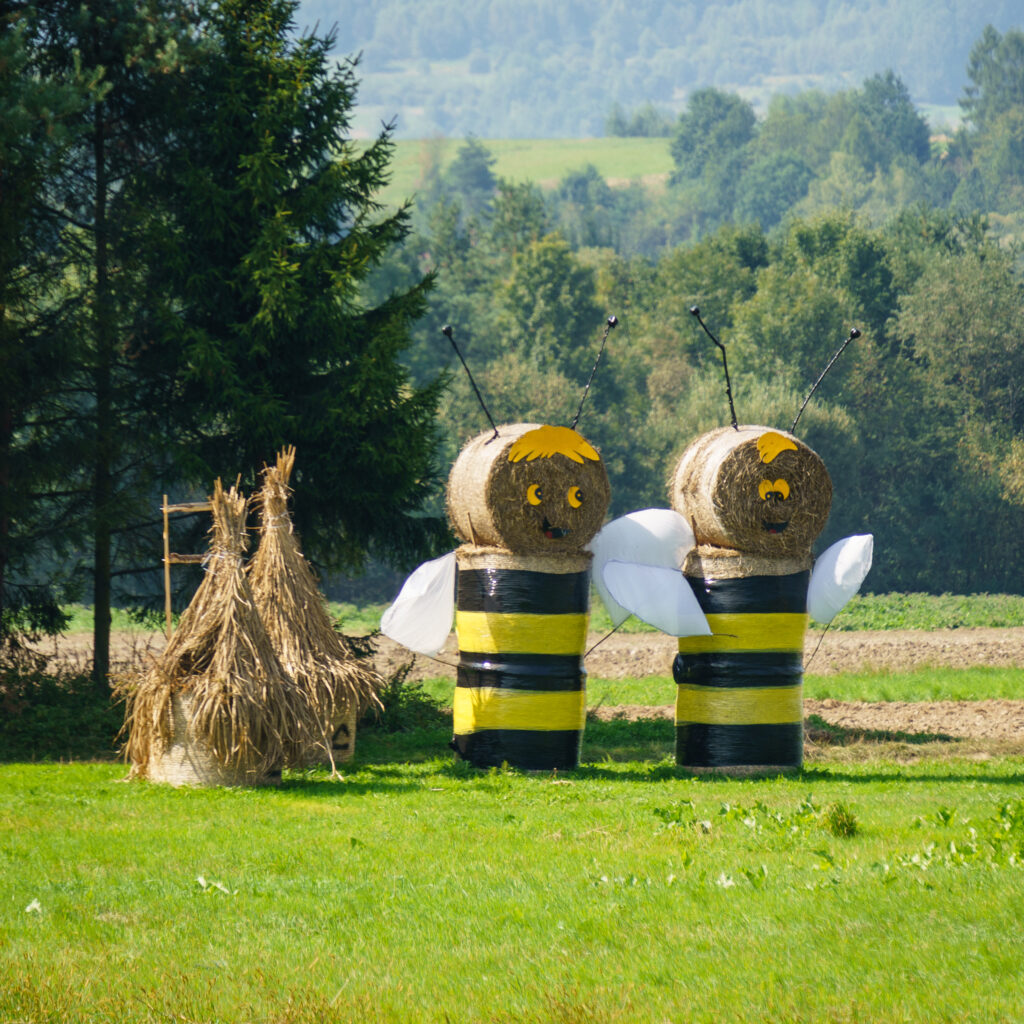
<point x="416" y="889"/>
<point x="543" y="161"/>
<point x="865" y="611"/>
<point x="981" y="683"/>
<point x="430" y="892"/>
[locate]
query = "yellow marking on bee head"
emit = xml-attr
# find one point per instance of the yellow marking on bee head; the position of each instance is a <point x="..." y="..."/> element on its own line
<point x="546" y="441"/>
<point x="769" y="445"/>
<point x="767" y="487"/>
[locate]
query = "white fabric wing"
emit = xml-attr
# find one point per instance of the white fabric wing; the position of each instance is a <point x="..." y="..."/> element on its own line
<point x="421" y="616"/>
<point x="659" y="596"/>
<point x="837" y="576"/>
<point x="651" y="537"/>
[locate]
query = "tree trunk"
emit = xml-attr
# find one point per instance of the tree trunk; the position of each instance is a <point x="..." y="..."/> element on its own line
<point x="103" y="490"/>
<point x="6" y="436"/>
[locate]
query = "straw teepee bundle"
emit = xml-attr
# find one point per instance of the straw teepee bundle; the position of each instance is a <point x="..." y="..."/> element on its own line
<point x="217" y="707"/>
<point x="336" y="685"/>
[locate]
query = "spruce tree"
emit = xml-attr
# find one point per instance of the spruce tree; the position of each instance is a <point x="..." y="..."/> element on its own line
<point x="256" y="334"/>
<point x="134" y="47"/>
<point x="37" y="126"/>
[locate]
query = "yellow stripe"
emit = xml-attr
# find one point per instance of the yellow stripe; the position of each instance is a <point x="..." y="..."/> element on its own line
<point x="522" y="633"/>
<point x="737" y="632"/>
<point x="755" y="705"/>
<point x="488" y="707"/>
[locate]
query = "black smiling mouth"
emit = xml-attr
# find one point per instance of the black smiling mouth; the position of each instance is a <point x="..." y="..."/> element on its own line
<point x="775" y="527"/>
<point x="553" y="532"/>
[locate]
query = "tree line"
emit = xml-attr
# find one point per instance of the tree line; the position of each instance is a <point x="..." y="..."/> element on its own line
<point x="193" y="272"/>
<point x="921" y="422"/>
<point x="184" y="227"/>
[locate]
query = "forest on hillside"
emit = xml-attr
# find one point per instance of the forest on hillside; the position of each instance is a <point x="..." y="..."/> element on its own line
<point x="194" y="271"/>
<point x="530" y="68"/>
<point x="832" y="212"/>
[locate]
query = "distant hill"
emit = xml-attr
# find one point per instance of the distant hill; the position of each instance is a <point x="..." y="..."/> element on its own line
<point x="533" y="68"/>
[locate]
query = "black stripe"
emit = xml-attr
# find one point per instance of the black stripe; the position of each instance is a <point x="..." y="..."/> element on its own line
<point x="752" y="594"/>
<point x="721" y="746"/>
<point x="518" y="590"/>
<point x="521" y="748"/>
<point x="551" y="672"/>
<point x="748" y="668"/>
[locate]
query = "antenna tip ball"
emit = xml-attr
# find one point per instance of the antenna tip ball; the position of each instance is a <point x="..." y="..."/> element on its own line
<point x="854" y="332"/>
<point x="613" y="321"/>
<point x="695" y="310"/>
<point x="447" y="330"/>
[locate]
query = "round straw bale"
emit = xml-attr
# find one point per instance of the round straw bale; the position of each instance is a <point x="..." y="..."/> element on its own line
<point x="710" y="563"/>
<point x="533" y="488"/>
<point x="755" y="489"/>
<point x="186" y="758"/>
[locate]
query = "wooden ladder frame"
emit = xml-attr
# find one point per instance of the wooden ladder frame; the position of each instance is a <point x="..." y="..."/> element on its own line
<point x="172" y="558"/>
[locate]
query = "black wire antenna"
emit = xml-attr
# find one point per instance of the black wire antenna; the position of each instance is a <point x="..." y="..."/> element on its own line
<point x="447" y="332"/>
<point x="854" y="333"/>
<point x="725" y="365"/>
<point x="611" y="322"/>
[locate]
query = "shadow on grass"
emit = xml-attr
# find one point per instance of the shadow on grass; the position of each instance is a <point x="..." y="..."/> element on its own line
<point x="817" y="730"/>
<point x="619" y="739"/>
<point x="644" y="739"/>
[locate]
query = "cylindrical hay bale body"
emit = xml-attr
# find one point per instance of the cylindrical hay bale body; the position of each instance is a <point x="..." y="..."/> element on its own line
<point x="756" y="498"/>
<point x="739" y="698"/>
<point x="521" y="623"/>
<point x="187" y="760"/>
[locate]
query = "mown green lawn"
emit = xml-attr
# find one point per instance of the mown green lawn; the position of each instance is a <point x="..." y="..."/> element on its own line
<point x="422" y="890"/>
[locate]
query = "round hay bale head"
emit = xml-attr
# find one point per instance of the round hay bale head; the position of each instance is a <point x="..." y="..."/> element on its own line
<point x="189" y="761"/>
<point x="753" y="489"/>
<point x="531" y="489"/>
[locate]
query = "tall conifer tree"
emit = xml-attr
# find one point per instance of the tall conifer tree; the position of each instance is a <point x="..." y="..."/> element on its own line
<point x="267" y="229"/>
<point x="38" y="112"/>
<point x="134" y="45"/>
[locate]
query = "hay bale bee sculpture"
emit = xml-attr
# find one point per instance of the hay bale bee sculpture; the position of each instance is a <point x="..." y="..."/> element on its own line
<point x="526" y="499"/>
<point x="755" y="499"/>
